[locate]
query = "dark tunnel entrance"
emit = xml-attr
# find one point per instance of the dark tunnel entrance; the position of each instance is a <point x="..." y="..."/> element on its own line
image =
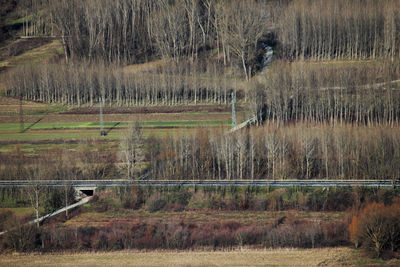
<point x="89" y="193"/>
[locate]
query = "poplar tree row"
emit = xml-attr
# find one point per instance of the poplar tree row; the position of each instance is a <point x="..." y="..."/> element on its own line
<point x="356" y="93"/>
<point x="294" y="152"/>
<point x="83" y="84"/>
<point x="340" y="29"/>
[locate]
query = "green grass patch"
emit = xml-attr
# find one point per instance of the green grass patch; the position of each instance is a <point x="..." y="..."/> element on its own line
<point x="20" y="20"/>
<point x="360" y="259"/>
<point x="57" y="135"/>
<point x="90" y="130"/>
<point x="20" y="211"/>
<point x="49" y="109"/>
<point x="13" y="201"/>
<point x="96" y="125"/>
<point x="84" y="134"/>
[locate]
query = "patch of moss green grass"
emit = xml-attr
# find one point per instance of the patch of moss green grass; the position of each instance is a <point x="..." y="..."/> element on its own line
<point x="20" y="211"/>
<point x="360" y="258"/>
<point x="94" y="125"/>
<point x="114" y="135"/>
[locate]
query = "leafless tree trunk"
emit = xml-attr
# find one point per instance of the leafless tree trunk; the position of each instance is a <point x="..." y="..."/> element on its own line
<point x="131" y="148"/>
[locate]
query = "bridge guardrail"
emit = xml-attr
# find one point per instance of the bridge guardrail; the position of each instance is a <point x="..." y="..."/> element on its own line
<point x="264" y="182"/>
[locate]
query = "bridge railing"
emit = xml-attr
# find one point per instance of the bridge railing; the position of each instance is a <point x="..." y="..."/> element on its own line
<point x="161" y="182"/>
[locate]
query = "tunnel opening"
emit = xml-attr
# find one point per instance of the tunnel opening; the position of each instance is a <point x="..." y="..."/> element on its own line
<point x="87" y="192"/>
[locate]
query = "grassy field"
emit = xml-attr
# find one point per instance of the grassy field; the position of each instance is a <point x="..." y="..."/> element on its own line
<point x="241" y="257"/>
<point x="49" y="125"/>
<point x="15" y="127"/>
<point x="274" y="257"/>
<point x="63" y="136"/>
<point x="199" y="217"/>
<point x="9" y="132"/>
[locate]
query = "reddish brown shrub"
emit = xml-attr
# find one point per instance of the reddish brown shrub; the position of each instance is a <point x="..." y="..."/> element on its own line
<point x="231" y="225"/>
<point x="377" y="228"/>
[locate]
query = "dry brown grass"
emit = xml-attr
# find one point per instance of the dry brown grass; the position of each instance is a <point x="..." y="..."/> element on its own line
<point x="145" y="67"/>
<point x="199" y="217"/>
<point x="41" y="54"/>
<point x="274" y="257"/>
<point x="11" y="106"/>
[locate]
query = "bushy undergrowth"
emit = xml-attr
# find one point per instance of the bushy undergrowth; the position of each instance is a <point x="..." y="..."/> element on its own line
<point x="283" y="231"/>
<point x="178" y="235"/>
<point x="92" y="161"/>
<point x="50" y="198"/>
<point x="243" y="198"/>
<point x="215" y="198"/>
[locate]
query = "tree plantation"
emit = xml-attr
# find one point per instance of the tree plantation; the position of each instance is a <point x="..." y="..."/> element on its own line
<point x="80" y="84"/>
<point x="340" y="29"/>
<point x="360" y="93"/>
<point x="356" y="93"/>
<point x="292" y="152"/>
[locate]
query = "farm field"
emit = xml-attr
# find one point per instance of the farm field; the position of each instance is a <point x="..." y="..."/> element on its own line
<point x="282" y="257"/>
<point x="48" y="126"/>
<point x="14" y="127"/>
<point x="34" y="131"/>
<point x="198" y="217"/>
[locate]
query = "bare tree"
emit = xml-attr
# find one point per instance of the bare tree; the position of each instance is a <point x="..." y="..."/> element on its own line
<point x="131" y="148"/>
<point x="35" y="191"/>
<point x="247" y="23"/>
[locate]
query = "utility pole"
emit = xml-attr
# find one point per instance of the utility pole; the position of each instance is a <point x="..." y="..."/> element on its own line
<point x="21" y="115"/>
<point x="233" y="111"/>
<point x="102" y="132"/>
